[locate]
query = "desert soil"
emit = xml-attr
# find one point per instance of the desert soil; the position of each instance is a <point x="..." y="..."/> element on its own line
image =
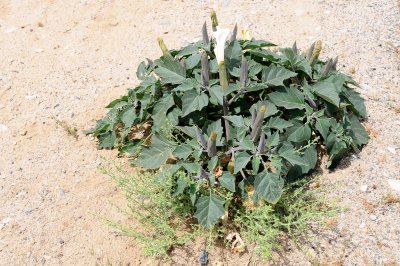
<point x="65" y="60"/>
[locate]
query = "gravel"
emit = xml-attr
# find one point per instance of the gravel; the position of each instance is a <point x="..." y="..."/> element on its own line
<point x="85" y="54"/>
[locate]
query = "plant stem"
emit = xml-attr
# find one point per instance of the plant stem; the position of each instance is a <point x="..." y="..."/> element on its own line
<point x="223" y="80"/>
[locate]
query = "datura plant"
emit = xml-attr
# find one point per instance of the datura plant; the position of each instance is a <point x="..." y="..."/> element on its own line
<point x="240" y="119"/>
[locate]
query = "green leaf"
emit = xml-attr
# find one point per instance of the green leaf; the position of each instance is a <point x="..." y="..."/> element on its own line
<point x="255" y="164"/>
<point x="289" y="98"/>
<point x="273" y="140"/>
<point x="296" y="61"/>
<point x="275" y="75"/>
<point x="192" y="101"/>
<point x="322" y="125"/>
<point x="302" y="133"/>
<point x="107" y="140"/>
<point x="269" y="186"/>
<point x="191" y="167"/>
<point x="278" y="123"/>
<point x="183" y="151"/>
<point x="236" y="120"/>
<point x="292" y="157"/>
<point x="128" y="117"/>
<point x="215" y="126"/>
<point x="233" y="55"/>
<point x="154" y="156"/>
<point x="227" y="181"/>
<point x="241" y="160"/>
<point x="209" y="209"/>
<point x="170" y="71"/>
<point x="131" y="148"/>
<point x="327" y="91"/>
<point x="186" y="85"/>
<point x="192" y="61"/>
<point x="246" y="144"/>
<point x="310" y="158"/>
<point x="356" y="102"/>
<point x="359" y="134"/>
<point x="181" y="185"/>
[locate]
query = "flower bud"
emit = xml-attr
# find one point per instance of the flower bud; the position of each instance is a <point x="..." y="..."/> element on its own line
<point x="261" y="144"/>
<point x="317" y="51"/>
<point x="244" y="69"/>
<point x="212" y="145"/>
<point x="206" y="39"/>
<point x="294" y="47"/>
<point x="205" y="69"/>
<point x="335" y="62"/>
<point x="163" y="47"/>
<point x="200" y="138"/>
<point x="327" y="67"/>
<point x="214" y="20"/>
<point x="234" y="33"/>
<point x="256" y="127"/>
<point x="231" y="166"/>
<point x="310" y="51"/>
<point x="311" y="103"/>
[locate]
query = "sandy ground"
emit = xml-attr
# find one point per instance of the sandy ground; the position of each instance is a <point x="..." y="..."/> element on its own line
<point x="65" y="60"/>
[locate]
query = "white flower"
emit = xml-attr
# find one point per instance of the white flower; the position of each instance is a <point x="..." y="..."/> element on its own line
<point x="220" y="35"/>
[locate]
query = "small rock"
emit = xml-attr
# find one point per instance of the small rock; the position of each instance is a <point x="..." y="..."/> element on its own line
<point x="61" y="241"/>
<point x="30" y="97"/>
<point x="365" y="87"/>
<point x="362" y="225"/>
<point x="39" y="51"/>
<point x="392" y="150"/>
<point x="23" y="133"/>
<point x="28" y="210"/>
<point x="373" y="217"/>
<point x="364" y="188"/>
<point x="3" y="128"/>
<point x="10" y="29"/>
<point x="46" y="257"/>
<point x="394" y="184"/>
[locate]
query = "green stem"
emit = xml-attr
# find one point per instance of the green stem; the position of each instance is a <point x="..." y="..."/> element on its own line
<point x="223" y="80"/>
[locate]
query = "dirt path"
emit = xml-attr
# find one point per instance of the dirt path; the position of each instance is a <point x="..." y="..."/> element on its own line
<point x="64" y="60"/>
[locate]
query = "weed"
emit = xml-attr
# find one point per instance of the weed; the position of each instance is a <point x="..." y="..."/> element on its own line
<point x="71" y="130"/>
<point x="156" y="219"/>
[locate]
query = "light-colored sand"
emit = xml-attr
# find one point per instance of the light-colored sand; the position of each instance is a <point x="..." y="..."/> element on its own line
<point x="68" y="59"/>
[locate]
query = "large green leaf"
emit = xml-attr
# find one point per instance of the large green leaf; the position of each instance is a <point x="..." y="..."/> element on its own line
<point x="170" y="71"/>
<point x="275" y="75"/>
<point x="269" y="186"/>
<point x="192" y="101"/>
<point x="356" y="102"/>
<point x="227" y="181"/>
<point x="241" y="160"/>
<point x="292" y="157"/>
<point x="327" y="91"/>
<point x="278" y="123"/>
<point x="183" y="151"/>
<point x="302" y="133"/>
<point x="209" y="209"/>
<point x="359" y="134"/>
<point x="154" y="156"/>
<point x="236" y="120"/>
<point x="296" y="61"/>
<point x="289" y="98"/>
<point x="322" y="125"/>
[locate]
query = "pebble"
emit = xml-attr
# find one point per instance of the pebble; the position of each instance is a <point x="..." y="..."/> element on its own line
<point x="3" y="128"/>
<point x="365" y="87"/>
<point x="362" y="225"/>
<point x="10" y="29"/>
<point x="30" y="97"/>
<point x="364" y="188"/>
<point x="392" y="150"/>
<point x="373" y="217"/>
<point x="28" y="210"/>
<point x="394" y="184"/>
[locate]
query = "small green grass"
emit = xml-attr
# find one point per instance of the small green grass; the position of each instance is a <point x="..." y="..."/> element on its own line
<point x="159" y="220"/>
